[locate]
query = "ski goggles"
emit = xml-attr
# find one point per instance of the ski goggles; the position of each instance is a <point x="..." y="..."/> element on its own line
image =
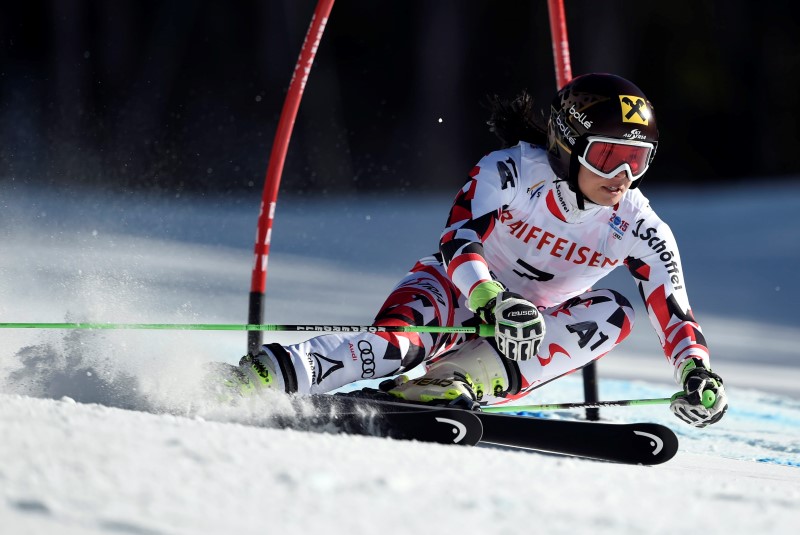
<point x="608" y="156"/>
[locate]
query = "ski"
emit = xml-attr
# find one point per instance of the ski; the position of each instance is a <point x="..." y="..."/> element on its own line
<point x="375" y="413"/>
<point x="355" y="413"/>
<point x="635" y="443"/>
<point x="387" y="419"/>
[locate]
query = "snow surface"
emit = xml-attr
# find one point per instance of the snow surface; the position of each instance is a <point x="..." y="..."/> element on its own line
<point x="107" y="431"/>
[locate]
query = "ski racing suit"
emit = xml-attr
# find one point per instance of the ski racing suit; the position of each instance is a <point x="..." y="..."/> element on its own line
<point x="513" y="221"/>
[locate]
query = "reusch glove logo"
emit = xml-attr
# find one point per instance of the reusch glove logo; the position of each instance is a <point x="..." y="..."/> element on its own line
<point x="520" y="312"/>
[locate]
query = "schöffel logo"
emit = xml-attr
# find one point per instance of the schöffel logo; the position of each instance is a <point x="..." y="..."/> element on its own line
<point x="660" y="246"/>
<point x="561" y="200"/>
<point x="634" y="110"/>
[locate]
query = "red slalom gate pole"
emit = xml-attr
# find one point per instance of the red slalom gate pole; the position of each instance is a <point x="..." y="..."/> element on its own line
<point x="561" y="58"/>
<point x="558" y="33"/>
<point x="275" y="169"/>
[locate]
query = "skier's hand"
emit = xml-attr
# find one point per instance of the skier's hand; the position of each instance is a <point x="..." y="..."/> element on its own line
<point x="519" y="328"/>
<point x="702" y="400"/>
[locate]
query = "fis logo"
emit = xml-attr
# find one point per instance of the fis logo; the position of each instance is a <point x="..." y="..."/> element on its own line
<point x="634" y="110"/>
<point x="536" y="190"/>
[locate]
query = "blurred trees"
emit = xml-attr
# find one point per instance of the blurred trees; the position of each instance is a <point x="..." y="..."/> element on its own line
<point x="186" y="94"/>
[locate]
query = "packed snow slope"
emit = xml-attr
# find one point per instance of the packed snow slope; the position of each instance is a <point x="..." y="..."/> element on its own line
<point x="108" y="431"/>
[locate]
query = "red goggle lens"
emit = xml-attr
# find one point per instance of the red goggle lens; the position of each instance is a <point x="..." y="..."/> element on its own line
<point x="607" y="157"/>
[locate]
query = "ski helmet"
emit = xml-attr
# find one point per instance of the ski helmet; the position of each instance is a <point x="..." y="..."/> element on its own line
<point x="594" y="107"/>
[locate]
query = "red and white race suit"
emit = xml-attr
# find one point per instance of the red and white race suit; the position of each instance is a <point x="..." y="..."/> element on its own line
<point x="514" y="222"/>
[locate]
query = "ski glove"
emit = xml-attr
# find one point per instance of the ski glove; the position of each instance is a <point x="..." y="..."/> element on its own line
<point x="702" y="400"/>
<point x="519" y="328"/>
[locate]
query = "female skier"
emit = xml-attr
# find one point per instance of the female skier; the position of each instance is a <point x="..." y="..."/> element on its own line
<point x="532" y="230"/>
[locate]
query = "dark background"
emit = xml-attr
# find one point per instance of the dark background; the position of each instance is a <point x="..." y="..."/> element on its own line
<point x="186" y="94"/>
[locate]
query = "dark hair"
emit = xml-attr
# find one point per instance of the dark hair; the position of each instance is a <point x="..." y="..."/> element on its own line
<point x="514" y="120"/>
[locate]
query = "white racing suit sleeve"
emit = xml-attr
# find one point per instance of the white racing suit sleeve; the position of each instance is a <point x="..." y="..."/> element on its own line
<point x="655" y="265"/>
<point x="489" y="189"/>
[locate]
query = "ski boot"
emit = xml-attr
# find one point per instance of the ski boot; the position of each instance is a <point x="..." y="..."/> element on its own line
<point x="270" y="369"/>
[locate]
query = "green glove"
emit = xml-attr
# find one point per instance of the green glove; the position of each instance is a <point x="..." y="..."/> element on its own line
<point x="481" y="296"/>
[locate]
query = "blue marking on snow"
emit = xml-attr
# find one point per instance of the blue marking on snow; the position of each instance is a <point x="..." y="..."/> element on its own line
<point x="531" y="414"/>
<point x="783" y="418"/>
<point x="782" y="462"/>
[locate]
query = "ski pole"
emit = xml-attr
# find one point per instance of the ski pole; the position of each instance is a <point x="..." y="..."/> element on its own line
<point x="480" y="330"/>
<point x="557" y="406"/>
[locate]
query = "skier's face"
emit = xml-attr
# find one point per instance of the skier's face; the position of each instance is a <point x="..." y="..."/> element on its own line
<point x="603" y="191"/>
